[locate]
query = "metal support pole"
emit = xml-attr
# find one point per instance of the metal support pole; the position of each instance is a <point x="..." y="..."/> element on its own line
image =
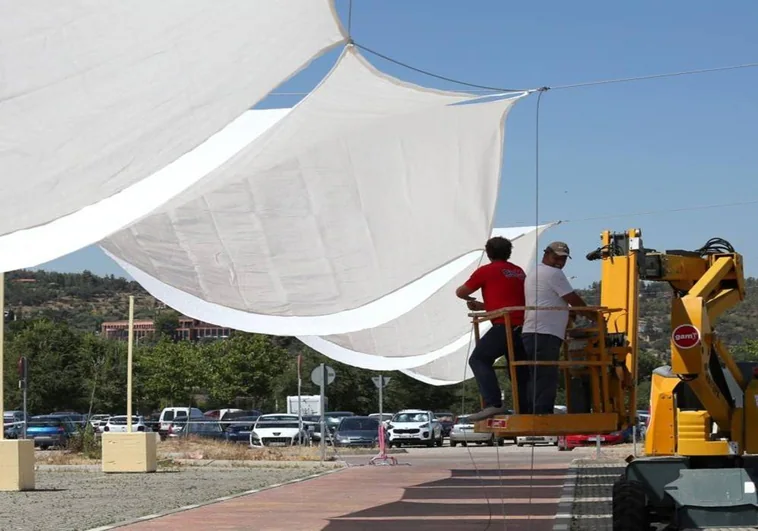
<point x="323" y="419"/>
<point x="299" y="403"/>
<point x="23" y="430"/>
<point x="129" y="350"/>
<point x="2" y="353"/>
<point x="381" y="401"/>
<point x="597" y="447"/>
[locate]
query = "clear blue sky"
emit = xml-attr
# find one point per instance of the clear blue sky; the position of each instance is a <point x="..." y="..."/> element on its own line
<point x="605" y="150"/>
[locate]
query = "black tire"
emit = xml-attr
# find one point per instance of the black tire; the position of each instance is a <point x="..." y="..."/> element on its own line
<point x="440" y="441"/>
<point x="501" y="442"/>
<point x="491" y="442"/>
<point x="453" y="444"/>
<point x="630" y="512"/>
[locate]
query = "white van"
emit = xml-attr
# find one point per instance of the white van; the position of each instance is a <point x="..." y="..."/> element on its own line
<point x="170" y="415"/>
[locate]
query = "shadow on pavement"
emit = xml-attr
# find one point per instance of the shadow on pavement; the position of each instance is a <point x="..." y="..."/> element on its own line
<point x="468" y="500"/>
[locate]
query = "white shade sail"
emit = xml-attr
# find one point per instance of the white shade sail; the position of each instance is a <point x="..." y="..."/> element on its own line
<point x="364" y="190"/>
<point x="436" y="329"/>
<point x="97" y="96"/>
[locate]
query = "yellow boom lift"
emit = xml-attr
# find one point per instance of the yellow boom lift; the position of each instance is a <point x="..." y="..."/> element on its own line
<point x="698" y="471"/>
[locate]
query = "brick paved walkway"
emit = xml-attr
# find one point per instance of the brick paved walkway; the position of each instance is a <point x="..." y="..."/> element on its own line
<point x="417" y="498"/>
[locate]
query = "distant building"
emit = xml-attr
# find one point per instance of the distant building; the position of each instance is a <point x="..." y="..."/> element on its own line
<point x="189" y="328"/>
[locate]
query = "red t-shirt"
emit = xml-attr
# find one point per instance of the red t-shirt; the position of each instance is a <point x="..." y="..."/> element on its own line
<point x="502" y="285"/>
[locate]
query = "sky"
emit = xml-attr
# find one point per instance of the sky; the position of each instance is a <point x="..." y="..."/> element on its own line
<point x="606" y="152"/>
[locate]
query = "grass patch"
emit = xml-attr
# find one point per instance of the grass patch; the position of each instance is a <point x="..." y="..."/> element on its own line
<point x="195" y="448"/>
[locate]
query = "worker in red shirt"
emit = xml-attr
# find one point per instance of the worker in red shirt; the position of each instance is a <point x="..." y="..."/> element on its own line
<point x="502" y="285"/>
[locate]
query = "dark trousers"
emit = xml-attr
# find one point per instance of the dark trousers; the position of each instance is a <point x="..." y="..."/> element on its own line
<point x="491" y="346"/>
<point x="543" y="380"/>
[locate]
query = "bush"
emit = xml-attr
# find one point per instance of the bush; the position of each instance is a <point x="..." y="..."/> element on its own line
<point x="86" y="443"/>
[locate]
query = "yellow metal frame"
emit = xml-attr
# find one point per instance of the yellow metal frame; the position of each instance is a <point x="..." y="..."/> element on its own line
<point x="609" y="370"/>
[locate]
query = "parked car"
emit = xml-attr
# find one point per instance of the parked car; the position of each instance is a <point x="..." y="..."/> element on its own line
<point x="277" y="430"/>
<point x="117" y="424"/>
<point x="207" y="429"/>
<point x="543" y="439"/>
<point x="463" y="432"/>
<point x="240" y="429"/>
<point x="169" y="415"/>
<point x="357" y="431"/>
<point x="77" y="418"/>
<point x="47" y="431"/>
<point x="446" y="419"/>
<point x="569" y="442"/>
<point x="98" y="421"/>
<point x="415" y="426"/>
<point x="386" y="417"/>
<point x="333" y="419"/>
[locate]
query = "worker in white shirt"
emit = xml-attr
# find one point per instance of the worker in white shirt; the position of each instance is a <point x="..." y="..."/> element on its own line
<point x="544" y="331"/>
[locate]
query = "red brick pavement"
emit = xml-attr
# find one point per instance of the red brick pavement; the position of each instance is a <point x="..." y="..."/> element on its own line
<point x="417" y="498"/>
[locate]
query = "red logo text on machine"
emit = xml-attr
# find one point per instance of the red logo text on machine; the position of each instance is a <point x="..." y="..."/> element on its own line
<point x="686" y="336"/>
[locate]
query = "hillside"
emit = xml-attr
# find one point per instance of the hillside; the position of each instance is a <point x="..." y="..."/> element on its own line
<point x="736" y="326"/>
<point x="85" y="300"/>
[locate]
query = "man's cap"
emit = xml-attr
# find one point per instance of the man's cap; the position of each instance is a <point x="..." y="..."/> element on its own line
<point x="559" y="248"/>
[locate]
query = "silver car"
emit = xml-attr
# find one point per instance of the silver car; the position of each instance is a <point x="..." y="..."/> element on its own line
<point x="463" y="432"/>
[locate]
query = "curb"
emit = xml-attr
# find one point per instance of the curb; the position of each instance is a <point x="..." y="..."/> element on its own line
<point x="211" y="502"/>
<point x="564" y="514"/>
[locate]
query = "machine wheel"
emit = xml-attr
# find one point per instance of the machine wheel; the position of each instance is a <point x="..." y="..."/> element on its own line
<point x="630" y="511"/>
<point x="501" y="442"/>
<point x="440" y="441"/>
<point x="453" y="444"/>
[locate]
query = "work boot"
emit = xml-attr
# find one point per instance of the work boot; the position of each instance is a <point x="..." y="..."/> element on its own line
<point x="487" y="413"/>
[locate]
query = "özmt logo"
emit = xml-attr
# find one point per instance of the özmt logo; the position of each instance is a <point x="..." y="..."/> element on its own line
<point x="686" y="336"/>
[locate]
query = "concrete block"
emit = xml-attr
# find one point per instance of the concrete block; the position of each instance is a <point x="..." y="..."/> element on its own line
<point x="130" y="452"/>
<point x="16" y="465"/>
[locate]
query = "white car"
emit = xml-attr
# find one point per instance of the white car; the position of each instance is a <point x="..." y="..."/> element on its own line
<point x="117" y="424"/>
<point x="534" y="440"/>
<point x="277" y="430"/>
<point x="463" y="432"/>
<point x="415" y="426"/>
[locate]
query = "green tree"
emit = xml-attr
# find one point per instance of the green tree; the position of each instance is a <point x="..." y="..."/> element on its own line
<point x="169" y="373"/>
<point x="103" y="367"/>
<point x="166" y="323"/>
<point x="55" y="376"/>
<point x="244" y="366"/>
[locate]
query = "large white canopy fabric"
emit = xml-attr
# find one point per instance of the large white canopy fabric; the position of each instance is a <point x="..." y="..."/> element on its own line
<point x="437" y="328"/>
<point x="97" y="96"/>
<point x="366" y="188"/>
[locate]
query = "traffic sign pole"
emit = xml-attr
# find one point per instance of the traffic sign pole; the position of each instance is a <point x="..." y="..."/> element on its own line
<point x="322" y="368"/>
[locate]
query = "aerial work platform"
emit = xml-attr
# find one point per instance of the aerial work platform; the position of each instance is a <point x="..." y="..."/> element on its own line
<point x="598" y="362"/>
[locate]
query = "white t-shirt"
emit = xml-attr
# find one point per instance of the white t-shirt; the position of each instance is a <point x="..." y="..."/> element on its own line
<point x="545" y="286"/>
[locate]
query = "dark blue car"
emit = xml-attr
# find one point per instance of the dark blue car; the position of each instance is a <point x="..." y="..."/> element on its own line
<point x="51" y="431"/>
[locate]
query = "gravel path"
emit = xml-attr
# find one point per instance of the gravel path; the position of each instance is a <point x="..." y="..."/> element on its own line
<point x="80" y="500"/>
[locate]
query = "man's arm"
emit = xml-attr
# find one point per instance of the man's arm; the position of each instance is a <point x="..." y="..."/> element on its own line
<point x="464" y="292"/>
<point x="474" y="283"/>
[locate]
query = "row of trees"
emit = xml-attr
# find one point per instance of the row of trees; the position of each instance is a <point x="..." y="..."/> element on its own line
<point x="72" y="370"/>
